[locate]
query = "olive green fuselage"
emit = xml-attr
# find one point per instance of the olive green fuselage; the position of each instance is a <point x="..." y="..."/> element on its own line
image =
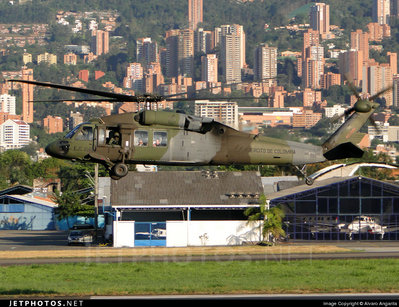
<point x="178" y="142"/>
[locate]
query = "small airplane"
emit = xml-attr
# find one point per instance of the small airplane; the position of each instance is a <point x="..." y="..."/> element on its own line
<point x="364" y="224"/>
<point x="165" y="138"/>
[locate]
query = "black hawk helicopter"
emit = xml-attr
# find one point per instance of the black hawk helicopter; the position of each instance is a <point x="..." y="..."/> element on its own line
<point x="166" y="138"/>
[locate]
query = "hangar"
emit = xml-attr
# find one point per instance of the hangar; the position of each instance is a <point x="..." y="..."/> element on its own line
<point x="18" y="211"/>
<point x="177" y="208"/>
<point x="207" y="208"/>
<point x="341" y="208"/>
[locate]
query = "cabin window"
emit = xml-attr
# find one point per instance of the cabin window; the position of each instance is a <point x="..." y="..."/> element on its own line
<point x="85" y="134"/>
<point x="113" y="136"/>
<point x="140" y="138"/>
<point x="160" y="139"/>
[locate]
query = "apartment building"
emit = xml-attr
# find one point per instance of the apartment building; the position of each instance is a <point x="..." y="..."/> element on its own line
<point x="222" y="111"/>
<point x="14" y="134"/>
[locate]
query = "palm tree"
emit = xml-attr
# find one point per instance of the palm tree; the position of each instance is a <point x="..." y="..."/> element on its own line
<point x="272" y="219"/>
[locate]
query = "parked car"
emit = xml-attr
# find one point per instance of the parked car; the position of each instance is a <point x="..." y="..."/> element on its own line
<point x="80" y="237"/>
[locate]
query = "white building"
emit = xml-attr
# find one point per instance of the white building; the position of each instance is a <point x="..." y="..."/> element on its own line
<point x="7" y="104"/>
<point x="14" y="134"/>
<point x="222" y="111"/>
<point x="335" y="110"/>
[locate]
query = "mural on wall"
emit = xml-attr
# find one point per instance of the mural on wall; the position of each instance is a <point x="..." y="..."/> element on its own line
<point x="16" y="223"/>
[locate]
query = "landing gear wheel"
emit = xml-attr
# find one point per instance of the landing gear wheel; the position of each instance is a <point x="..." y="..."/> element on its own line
<point x="118" y="171"/>
<point x="309" y="181"/>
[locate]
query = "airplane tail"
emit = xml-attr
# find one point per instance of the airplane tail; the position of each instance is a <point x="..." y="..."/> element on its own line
<point x="343" y="142"/>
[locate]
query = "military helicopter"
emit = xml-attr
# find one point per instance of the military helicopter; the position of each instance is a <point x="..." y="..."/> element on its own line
<point x="166" y="138"/>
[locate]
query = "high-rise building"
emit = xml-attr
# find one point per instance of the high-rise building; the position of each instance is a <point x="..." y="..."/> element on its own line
<point x="232" y="52"/>
<point x="395" y="91"/>
<point x="360" y="41"/>
<point x="381" y="11"/>
<point x="313" y="67"/>
<point x="310" y="38"/>
<point x="100" y="42"/>
<point x="146" y="51"/>
<point x="320" y="18"/>
<point x="179" y="53"/>
<point x="203" y="41"/>
<point x="27" y="96"/>
<point x="209" y="68"/>
<point x="394" y="8"/>
<point x="186" y="53"/>
<point x="376" y="78"/>
<point x="195" y="13"/>
<point x="351" y="65"/>
<point x="393" y="61"/>
<point x="172" y="53"/>
<point x="265" y="62"/>
<point x="153" y="78"/>
<point x="134" y="77"/>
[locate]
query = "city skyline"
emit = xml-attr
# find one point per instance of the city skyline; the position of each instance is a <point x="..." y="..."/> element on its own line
<point x="193" y="58"/>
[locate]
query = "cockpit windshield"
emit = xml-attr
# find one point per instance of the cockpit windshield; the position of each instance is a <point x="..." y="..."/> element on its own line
<point x="81" y="132"/>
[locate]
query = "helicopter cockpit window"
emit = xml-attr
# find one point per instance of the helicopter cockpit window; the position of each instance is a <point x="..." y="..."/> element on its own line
<point x="140" y="138"/>
<point x="71" y="133"/>
<point x="160" y="139"/>
<point x="84" y="134"/>
<point x="101" y="136"/>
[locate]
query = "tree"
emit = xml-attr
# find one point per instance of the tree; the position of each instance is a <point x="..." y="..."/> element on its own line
<point x="69" y="205"/>
<point x="272" y="219"/>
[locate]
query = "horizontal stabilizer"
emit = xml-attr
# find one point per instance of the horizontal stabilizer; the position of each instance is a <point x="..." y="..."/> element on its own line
<point x="344" y="150"/>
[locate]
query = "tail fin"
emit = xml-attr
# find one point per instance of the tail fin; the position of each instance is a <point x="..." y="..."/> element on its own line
<point x="342" y="143"/>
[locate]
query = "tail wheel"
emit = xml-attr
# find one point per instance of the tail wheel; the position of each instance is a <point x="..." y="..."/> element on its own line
<point x="119" y="170"/>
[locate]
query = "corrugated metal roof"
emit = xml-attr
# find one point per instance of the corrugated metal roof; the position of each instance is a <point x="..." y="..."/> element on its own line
<point x="33" y="200"/>
<point x="186" y="188"/>
<point x="321" y="183"/>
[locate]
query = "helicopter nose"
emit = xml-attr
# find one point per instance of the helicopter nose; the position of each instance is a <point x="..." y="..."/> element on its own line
<point x="57" y="149"/>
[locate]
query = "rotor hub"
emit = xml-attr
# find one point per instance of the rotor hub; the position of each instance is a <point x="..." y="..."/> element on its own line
<point x="362" y="106"/>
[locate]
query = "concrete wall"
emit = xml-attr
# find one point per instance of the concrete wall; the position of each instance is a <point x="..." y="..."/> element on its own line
<point x="123" y="233"/>
<point x="193" y="233"/>
<point x="202" y="233"/>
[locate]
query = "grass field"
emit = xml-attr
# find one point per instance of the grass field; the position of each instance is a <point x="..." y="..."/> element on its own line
<point x="296" y="276"/>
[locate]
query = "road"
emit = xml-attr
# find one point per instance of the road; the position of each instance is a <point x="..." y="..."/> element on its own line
<point x="56" y="240"/>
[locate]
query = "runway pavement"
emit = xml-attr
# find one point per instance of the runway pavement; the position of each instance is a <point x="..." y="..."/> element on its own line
<point x="15" y="240"/>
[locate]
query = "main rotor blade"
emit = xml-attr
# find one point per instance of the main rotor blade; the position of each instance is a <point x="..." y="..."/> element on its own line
<point x="380" y="93"/>
<point x="351" y="86"/>
<point x="210" y="98"/>
<point x="117" y="97"/>
<point x="77" y="100"/>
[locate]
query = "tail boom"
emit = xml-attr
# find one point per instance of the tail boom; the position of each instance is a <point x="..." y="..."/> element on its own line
<point x="340" y="144"/>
